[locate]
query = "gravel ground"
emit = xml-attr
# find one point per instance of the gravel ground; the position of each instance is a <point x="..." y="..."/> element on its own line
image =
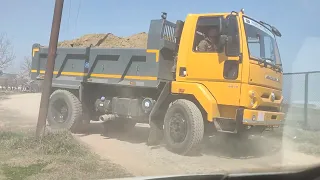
<point x="130" y="151"/>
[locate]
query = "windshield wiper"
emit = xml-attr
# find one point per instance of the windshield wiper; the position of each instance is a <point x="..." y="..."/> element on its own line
<point x="265" y="63"/>
<point x="279" y="67"/>
<point x="265" y="59"/>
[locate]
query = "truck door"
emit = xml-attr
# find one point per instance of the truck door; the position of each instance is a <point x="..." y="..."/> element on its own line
<point x="219" y="73"/>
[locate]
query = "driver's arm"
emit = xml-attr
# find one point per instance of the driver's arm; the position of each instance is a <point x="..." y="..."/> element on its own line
<point x="202" y="47"/>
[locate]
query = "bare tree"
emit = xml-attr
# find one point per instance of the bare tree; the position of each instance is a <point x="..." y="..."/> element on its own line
<point x="26" y="66"/>
<point x="6" y="52"/>
<point x="24" y="75"/>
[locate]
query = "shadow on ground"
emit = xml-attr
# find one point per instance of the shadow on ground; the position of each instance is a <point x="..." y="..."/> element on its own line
<point x="221" y="145"/>
<point x="136" y="135"/>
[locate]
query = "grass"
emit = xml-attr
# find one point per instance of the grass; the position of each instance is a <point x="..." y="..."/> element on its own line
<point x="56" y="156"/>
<point x="305" y="140"/>
<point x="20" y="172"/>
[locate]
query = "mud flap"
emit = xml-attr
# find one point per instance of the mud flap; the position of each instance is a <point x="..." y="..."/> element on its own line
<point x="156" y="125"/>
<point x="155" y="134"/>
<point x="239" y="121"/>
<point x="237" y="126"/>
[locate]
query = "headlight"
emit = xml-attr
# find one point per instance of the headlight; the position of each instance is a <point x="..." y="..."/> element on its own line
<point x="252" y="98"/>
<point x="252" y="102"/>
<point x="251" y="94"/>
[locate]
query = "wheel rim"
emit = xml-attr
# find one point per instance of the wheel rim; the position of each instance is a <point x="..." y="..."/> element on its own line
<point x="60" y="111"/>
<point x="178" y="128"/>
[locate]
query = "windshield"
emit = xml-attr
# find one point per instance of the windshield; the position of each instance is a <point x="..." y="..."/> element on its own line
<point x="262" y="44"/>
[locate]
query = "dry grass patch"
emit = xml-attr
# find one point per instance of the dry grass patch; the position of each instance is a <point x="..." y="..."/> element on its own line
<point x="56" y="156"/>
<point x="305" y="141"/>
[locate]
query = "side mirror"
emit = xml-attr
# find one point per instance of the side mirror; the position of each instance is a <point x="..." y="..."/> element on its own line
<point x="231" y="36"/>
<point x="223" y="40"/>
<point x="178" y="29"/>
<point x="222" y="25"/>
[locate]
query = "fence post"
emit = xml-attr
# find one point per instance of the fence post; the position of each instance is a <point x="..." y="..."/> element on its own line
<point x="306" y="99"/>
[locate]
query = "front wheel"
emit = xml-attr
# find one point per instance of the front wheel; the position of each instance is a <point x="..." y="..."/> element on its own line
<point x="183" y="127"/>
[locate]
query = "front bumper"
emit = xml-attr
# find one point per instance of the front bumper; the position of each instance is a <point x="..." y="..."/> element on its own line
<point x="266" y="118"/>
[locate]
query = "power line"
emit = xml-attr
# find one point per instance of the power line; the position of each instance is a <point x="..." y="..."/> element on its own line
<point x="68" y="26"/>
<point x="77" y="15"/>
<point x="70" y="4"/>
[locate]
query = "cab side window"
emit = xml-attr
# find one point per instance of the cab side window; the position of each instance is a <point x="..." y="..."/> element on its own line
<point x="207" y="35"/>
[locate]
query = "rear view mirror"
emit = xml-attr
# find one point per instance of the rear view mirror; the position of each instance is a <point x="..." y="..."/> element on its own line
<point x="222" y="25"/>
<point x="232" y="35"/>
<point x="223" y="40"/>
<point x="178" y="29"/>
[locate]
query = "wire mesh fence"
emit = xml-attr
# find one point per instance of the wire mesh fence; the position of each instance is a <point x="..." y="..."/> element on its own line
<point x="302" y="99"/>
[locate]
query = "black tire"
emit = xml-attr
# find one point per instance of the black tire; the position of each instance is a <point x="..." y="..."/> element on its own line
<point x="73" y="121"/>
<point x="193" y="123"/>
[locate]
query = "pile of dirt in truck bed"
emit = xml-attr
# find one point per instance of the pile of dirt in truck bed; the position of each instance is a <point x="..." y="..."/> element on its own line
<point x="108" y="40"/>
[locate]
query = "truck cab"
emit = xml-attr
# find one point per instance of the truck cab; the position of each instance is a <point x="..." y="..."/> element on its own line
<point x="242" y="76"/>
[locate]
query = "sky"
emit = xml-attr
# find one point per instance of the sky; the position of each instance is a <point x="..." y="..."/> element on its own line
<point x="29" y="22"/>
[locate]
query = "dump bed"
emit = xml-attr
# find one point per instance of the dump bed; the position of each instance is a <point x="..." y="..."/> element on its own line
<point x="122" y="66"/>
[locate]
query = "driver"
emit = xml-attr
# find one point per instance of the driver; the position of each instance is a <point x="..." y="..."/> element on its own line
<point x="209" y="43"/>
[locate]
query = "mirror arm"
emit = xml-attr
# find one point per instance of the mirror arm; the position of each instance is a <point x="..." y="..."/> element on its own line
<point x="240" y="58"/>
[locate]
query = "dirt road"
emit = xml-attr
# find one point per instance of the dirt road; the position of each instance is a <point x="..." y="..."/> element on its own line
<point x="130" y="151"/>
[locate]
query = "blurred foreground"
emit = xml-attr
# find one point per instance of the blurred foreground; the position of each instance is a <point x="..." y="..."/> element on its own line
<point x="57" y="156"/>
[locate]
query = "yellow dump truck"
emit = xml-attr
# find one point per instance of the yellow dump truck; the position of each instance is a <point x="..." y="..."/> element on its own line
<point x="186" y="84"/>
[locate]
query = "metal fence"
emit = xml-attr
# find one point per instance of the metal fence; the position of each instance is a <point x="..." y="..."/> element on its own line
<point x="34" y="87"/>
<point x="302" y="99"/>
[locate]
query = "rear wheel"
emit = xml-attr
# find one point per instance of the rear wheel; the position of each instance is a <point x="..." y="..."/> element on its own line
<point x="65" y="111"/>
<point x="183" y="127"/>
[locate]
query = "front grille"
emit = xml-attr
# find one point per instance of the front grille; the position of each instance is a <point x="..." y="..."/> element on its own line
<point x="268" y="108"/>
<point x="267" y="96"/>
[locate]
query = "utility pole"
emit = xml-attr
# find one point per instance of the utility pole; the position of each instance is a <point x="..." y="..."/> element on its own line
<point x="47" y="84"/>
